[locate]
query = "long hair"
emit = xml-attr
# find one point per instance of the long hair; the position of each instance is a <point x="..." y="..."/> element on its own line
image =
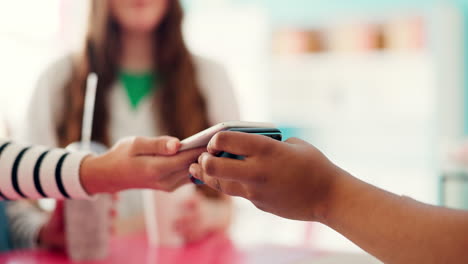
<point x="179" y="107"/>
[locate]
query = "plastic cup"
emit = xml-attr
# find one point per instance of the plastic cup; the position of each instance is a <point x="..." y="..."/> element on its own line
<point x="161" y="211"/>
<point x="88" y="222"/>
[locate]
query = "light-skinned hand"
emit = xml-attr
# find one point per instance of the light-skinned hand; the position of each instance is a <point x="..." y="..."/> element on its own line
<point x="139" y="162"/>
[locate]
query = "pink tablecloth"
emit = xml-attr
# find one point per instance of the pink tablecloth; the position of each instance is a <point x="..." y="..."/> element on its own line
<point x="216" y="249"/>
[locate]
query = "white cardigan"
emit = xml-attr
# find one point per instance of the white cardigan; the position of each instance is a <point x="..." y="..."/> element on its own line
<point x="47" y="105"/>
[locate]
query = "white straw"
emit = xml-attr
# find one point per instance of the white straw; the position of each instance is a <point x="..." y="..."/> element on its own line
<point x="151" y="219"/>
<point x="88" y="113"/>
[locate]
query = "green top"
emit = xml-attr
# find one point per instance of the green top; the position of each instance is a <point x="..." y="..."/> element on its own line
<point x="138" y="86"/>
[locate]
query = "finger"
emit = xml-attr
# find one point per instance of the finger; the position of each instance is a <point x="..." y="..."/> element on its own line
<point x="238" y="143"/>
<point x="183" y="179"/>
<point x="225" y="168"/>
<point x="174" y="181"/>
<point x="228" y="187"/>
<point x="161" y="166"/>
<point x="181" y="160"/>
<point x="163" y="145"/>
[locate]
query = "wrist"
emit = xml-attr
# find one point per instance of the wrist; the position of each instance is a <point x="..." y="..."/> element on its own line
<point x="345" y="197"/>
<point x="337" y="186"/>
<point x="93" y="176"/>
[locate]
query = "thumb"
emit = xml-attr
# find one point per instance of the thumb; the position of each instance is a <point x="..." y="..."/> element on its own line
<point x="163" y="145"/>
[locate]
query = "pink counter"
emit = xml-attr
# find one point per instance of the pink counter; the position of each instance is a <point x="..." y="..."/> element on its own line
<point x="216" y="249"/>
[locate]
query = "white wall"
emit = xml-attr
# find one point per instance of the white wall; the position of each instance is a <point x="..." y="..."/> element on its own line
<point x="32" y="34"/>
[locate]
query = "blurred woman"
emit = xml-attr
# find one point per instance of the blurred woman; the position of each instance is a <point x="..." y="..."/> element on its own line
<point x="149" y="84"/>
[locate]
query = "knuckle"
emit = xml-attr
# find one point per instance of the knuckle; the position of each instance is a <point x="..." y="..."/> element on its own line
<point x="137" y="141"/>
<point x="292" y="139"/>
<point x="266" y="148"/>
<point x="209" y="166"/>
<point x="219" y="140"/>
<point x="154" y="169"/>
<point x="126" y="140"/>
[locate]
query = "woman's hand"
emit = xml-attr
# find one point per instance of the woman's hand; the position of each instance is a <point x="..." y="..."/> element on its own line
<point x="139" y="162"/>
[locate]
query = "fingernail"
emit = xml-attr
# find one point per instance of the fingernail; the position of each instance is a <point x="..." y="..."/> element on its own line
<point x="193" y="171"/>
<point x="202" y="157"/>
<point x="171" y="145"/>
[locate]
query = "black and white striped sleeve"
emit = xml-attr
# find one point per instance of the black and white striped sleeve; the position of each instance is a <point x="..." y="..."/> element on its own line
<point x="34" y="172"/>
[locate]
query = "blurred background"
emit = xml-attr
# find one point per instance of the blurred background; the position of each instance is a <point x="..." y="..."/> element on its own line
<point x="379" y="86"/>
